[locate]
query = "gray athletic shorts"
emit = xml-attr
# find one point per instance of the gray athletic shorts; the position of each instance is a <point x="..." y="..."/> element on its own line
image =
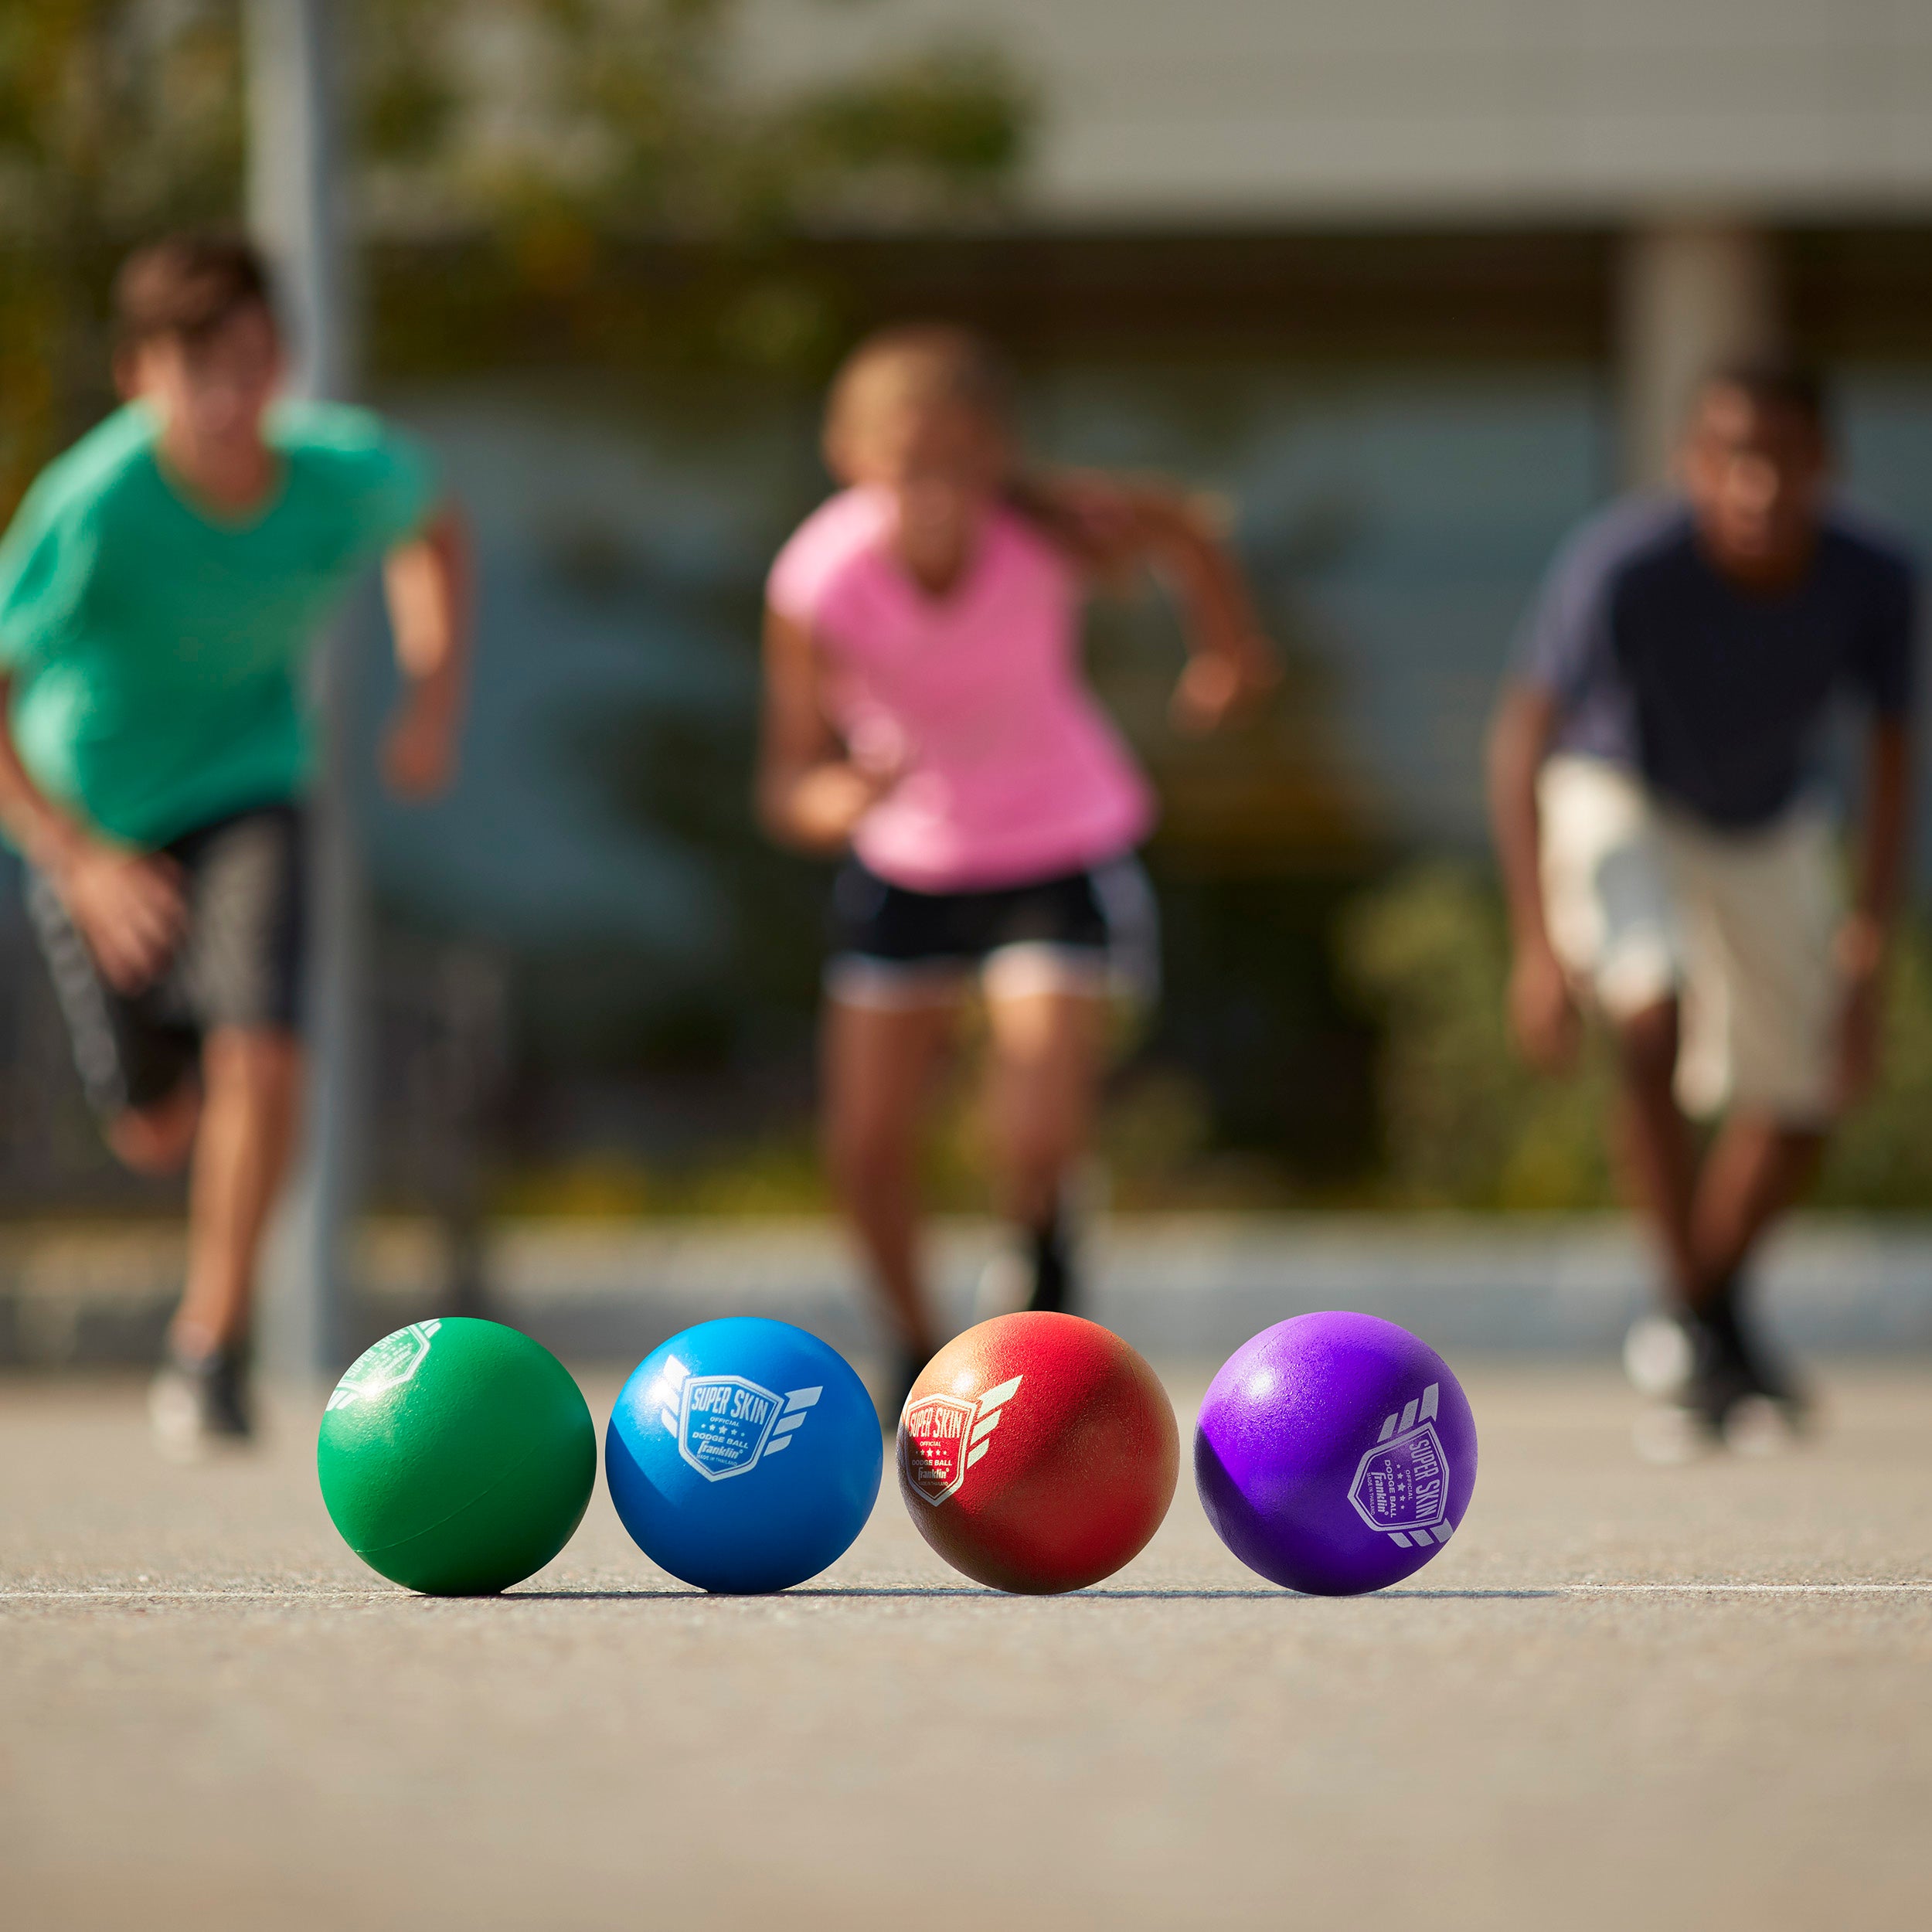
<point x="240" y="964"/>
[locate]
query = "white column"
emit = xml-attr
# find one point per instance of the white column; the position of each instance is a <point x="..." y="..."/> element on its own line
<point x="294" y="210"/>
<point x="1690" y="294"/>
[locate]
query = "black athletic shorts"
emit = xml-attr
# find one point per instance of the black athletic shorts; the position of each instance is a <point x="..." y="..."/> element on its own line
<point x="1092" y="931"/>
<point x="239" y="963"/>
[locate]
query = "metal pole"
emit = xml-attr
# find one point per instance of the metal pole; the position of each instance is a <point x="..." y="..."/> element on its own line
<point x="294" y="210"/>
<point x="1690" y="293"/>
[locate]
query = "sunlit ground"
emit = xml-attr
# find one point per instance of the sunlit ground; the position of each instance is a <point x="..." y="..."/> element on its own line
<point x="1622" y="1695"/>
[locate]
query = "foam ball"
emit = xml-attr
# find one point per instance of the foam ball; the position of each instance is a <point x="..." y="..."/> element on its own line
<point x="1336" y="1454"/>
<point x="744" y="1455"/>
<point x="1038" y="1452"/>
<point x="457" y="1456"/>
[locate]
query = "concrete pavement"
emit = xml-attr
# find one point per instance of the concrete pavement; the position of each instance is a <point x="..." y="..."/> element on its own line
<point x="1621" y="1696"/>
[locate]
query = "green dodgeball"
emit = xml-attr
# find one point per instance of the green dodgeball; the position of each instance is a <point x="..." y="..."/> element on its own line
<point x="456" y="1457"/>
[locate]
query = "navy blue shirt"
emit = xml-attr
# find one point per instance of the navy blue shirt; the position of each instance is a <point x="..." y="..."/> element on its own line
<point x="1718" y="695"/>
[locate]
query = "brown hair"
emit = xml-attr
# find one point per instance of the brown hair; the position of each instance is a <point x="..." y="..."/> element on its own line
<point x="188" y="286"/>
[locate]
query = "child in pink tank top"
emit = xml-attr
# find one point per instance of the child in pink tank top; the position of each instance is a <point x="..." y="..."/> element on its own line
<point x="926" y="714"/>
<point x="1007" y="770"/>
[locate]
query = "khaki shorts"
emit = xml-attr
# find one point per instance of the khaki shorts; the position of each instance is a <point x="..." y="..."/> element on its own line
<point x="1646" y="904"/>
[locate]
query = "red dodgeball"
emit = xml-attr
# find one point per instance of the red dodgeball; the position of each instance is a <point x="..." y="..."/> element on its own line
<point x="1037" y="1453"/>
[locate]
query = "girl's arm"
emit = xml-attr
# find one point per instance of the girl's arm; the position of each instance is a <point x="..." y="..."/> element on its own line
<point x="810" y="794"/>
<point x="1114" y="523"/>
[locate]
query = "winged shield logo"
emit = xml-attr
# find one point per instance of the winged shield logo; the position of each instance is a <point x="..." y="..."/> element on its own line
<point x="394" y="1361"/>
<point x="1401" y="1486"/>
<point x="725" y="1425"/>
<point x="942" y="1437"/>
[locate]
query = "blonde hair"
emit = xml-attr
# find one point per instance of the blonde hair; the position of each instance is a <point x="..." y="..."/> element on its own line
<point x="920" y="363"/>
<point x="928" y="364"/>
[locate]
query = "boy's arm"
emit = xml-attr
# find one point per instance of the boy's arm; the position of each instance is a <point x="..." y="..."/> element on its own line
<point x="809" y="794"/>
<point x="1865" y="938"/>
<point x="426" y="584"/>
<point x="128" y="905"/>
<point x="1542" y="1012"/>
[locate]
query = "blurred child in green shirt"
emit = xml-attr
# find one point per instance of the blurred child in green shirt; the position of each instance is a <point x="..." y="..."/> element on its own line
<point x="160" y="589"/>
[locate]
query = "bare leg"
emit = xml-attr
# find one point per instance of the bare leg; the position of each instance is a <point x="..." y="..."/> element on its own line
<point x="1756" y="1169"/>
<point x="1042" y="1084"/>
<point x="158" y="1139"/>
<point x="1657" y="1152"/>
<point x="878" y="1068"/>
<point x="250" y="1081"/>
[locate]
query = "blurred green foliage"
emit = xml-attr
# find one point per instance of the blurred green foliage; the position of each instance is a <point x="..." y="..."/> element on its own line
<point x="117" y="118"/>
<point x="1155" y="1150"/>
<point x="624" y="117"/>
<point x="1464" y="1123"/>
<point x="543" y="136"/>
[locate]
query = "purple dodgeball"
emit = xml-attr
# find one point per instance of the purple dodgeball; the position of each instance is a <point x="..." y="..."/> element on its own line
<point x="1336" y="1454"/>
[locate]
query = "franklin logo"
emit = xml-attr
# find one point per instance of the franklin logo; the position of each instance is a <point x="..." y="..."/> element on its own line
<point x="389" y="1365"/>
<point x="942" y="1437"/>
<point x="724" y="1425"/>
<point x="1401" y="1486"/>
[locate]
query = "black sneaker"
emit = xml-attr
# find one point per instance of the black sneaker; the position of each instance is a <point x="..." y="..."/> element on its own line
<point x="1053" y="1290"/>
<point x="1033" y="1270"/>
<point x="1685" y="1363"/>
<point x="1771" y="1406"/>
<point x="200" y="1402"/>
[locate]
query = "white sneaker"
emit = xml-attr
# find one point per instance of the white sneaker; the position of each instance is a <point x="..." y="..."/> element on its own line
<point x="197" y="1406"/>
<point x="1006" y="1285"/>
<point x="174" y="1413"/>
<point x="1659" y="1357"/>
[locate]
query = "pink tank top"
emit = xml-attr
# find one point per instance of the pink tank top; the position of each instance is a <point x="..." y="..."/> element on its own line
<point x="1012" y="772"/>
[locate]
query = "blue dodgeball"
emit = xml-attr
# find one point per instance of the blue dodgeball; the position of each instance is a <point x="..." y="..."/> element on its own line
<point x="744" y="1455"/>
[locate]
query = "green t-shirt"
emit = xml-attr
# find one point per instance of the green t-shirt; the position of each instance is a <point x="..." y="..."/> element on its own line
<point x="157" y="652"/>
